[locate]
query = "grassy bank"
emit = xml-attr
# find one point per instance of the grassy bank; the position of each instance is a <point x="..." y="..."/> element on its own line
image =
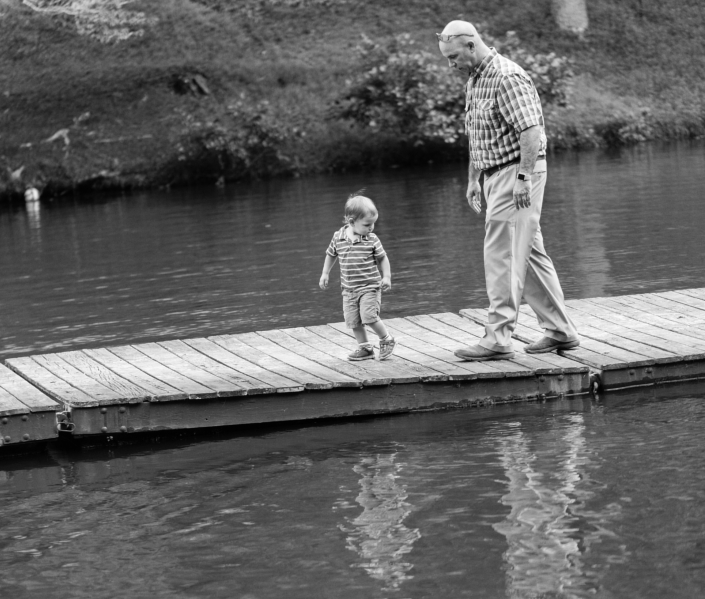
<point x="216" y="90"/>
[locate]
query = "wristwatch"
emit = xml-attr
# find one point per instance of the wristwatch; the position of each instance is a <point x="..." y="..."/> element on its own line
<point x="523" y="177"/>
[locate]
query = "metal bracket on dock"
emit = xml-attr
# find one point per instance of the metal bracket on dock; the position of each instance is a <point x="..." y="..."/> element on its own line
<point x="595" y="382"/>
<point x="63" y="422"/>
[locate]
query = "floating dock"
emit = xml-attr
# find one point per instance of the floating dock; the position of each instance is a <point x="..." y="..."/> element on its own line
<point x="632" y="340"/>
<point x="302" y="373"/>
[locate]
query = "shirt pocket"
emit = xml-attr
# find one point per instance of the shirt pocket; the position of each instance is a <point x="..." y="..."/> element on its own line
<point x="487" y="113"/>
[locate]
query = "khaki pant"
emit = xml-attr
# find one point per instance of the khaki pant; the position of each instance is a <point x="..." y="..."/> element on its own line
<point x="516" y="263"/>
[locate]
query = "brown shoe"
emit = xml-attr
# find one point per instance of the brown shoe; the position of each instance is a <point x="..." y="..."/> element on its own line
<point x="546" y="344"/>
<point x="477" y="353"/>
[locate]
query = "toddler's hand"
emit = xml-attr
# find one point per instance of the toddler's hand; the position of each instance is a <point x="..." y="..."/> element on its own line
<point x="323" y="283"/>
<point x="386" y="283"/>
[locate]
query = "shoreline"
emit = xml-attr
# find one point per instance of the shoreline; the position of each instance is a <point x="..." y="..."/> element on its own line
<point x="371" y="156"/>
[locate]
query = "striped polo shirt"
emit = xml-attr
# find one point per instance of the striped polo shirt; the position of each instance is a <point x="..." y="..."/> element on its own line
<point x="358" y="266"/>
<point x="500" y="102"/>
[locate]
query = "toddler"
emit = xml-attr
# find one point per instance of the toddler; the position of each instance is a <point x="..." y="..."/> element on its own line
<point x="362" y="257"/>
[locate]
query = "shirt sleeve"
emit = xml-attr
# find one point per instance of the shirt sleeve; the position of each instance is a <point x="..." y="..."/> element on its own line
<point x="378" y="250"/>
<point x="518" y="101"/>
<point x="332" y="248"/>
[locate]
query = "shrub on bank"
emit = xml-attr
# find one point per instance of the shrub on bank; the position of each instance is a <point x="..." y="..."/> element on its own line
<point x="399" y="89"/>
<point x="246" y="140"/>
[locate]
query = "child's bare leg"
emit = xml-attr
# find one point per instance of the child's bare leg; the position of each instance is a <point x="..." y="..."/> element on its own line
<point x="379" y="329"/>
<point x="361" y="335"/>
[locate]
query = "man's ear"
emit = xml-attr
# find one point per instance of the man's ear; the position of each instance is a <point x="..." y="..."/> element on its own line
<point x="471" y="46"/>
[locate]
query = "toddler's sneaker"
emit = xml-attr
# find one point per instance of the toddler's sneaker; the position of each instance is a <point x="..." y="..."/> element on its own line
<point x="363" y="352"/>
<point x="386" y="347"/>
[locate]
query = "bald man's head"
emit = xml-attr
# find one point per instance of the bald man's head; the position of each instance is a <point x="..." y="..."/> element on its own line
<point x="462" y="46"/>
<point x="460" y="28"/>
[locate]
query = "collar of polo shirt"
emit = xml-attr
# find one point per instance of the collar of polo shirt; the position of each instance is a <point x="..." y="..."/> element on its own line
<point x="355" y="237"/>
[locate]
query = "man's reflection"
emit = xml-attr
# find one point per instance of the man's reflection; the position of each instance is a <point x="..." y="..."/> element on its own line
<point x="378" y="534"/>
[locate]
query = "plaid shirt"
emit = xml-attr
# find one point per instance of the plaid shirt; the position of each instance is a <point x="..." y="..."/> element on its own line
<point x="500" y="102"/>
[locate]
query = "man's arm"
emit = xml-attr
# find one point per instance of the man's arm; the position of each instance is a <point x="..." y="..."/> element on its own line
<point x="529" y="144"/>
<point x="474" y="192"/>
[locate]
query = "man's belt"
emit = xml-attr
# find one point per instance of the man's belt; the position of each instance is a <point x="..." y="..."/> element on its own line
<point x="488" y="172"/>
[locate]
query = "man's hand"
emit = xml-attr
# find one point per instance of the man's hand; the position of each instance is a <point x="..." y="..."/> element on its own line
<point x="474" y="195"/>
<point x="386" y="283"/>
<point x="522" y="193"/>
<point x="323" y="283"/>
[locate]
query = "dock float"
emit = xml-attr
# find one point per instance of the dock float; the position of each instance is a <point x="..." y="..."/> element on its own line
<point x="302" y="373"/>
<point x="631" y="340"/>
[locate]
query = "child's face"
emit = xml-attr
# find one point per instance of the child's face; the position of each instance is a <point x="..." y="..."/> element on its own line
<point x="364" y="225"/>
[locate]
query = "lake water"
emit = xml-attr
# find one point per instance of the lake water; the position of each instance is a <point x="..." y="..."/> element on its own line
<point x="592" y="497"/>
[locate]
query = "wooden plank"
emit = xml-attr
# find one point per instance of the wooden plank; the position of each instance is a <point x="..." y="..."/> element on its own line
<point x="639" y="305"/>
<point x="688" y="302"/>
<point x="425" y="338"/>
<point x="99" y="393"/>
<point x="698" y="293"/>
<point x="218" y="353"/>
<point x="592" y="326"/>
<point x="250" y="385"/>
<point x="10" y="405"/>
<point x="234" y="345"/>
<point x="222" y="387"/>
<point x="452" y="366"/>
<point x="651" y="323"/>
<point x="590" y="339"/>
<point x="551" y="364"/>
<point x="122" y="387"/>
<point x="51" y="384"/>
<point x="621" y="358"/>
<point x="590" y="352"/>
<point x="460" y="331"/>
<point x="433" y="370"/>
<point x="287" y="356"/>
<point x="155" y="369"/>
<point x="470" y="334"/>
<point x="345" y="339"/>
<point x="354" y="370"/>
<point x="158" y="390"/>
<point x="372" y="369"/>
<point x="26" y="393"/>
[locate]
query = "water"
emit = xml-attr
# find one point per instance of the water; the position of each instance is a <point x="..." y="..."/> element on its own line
<point x="196" y="262"/>
<point x="568" y="499"/>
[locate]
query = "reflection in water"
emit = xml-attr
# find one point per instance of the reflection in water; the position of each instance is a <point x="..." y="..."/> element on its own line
<point x="34" y="220"/>
<point x="548" y="536"/>
<point x="379" y="534"/>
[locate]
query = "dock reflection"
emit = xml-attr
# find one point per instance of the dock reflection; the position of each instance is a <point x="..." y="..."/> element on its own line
<point x="547" y="531"/>
<point x="378" y="534"/>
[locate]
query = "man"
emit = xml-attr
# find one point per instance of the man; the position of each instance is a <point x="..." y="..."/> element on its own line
<point x="504" y="123"/>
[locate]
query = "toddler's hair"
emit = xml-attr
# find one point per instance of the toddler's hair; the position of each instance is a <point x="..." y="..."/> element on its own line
<point x="358" y="206"/>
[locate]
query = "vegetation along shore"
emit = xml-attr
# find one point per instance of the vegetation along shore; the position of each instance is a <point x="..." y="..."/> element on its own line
<point x="148" y="93"/>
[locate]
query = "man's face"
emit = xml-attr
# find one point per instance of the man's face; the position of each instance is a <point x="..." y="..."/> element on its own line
<point x="460" y="54"/>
